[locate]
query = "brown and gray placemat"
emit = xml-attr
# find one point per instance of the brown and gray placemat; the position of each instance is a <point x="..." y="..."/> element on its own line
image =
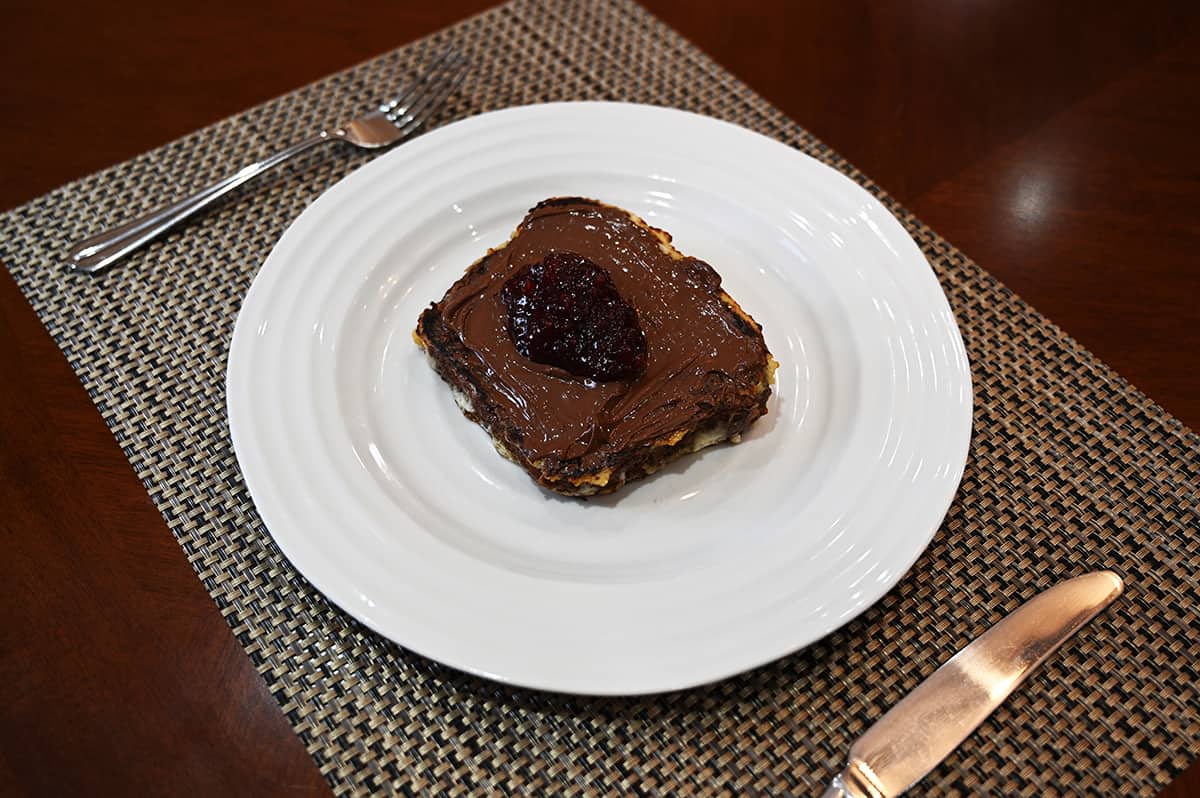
<point x="1070" y="469"/>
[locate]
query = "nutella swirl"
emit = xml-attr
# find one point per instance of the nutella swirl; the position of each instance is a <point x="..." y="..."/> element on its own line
<point x="699" y="348"/>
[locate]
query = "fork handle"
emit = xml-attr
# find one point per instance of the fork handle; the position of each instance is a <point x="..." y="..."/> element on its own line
<point x="100" y="251"/>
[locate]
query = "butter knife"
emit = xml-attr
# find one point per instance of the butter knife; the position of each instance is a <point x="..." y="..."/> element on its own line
<point x="932" y="720"/>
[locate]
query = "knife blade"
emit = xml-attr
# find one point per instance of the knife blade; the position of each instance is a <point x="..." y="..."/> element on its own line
<point x="942" y="711"/>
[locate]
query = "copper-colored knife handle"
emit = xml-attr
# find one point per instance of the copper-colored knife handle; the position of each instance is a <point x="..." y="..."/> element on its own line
<point x="942" y="711"/>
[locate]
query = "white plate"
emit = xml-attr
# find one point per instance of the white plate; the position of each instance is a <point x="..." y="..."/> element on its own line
<point x="399" y="510"/>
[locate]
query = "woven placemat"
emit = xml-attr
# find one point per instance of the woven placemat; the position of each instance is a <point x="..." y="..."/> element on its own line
<point x="1070" y="469"/>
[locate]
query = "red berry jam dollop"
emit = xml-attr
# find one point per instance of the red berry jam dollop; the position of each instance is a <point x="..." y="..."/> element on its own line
<point x="566" y="312"/>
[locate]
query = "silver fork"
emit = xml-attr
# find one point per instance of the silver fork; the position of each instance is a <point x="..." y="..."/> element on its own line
<point x="393" y="121"/>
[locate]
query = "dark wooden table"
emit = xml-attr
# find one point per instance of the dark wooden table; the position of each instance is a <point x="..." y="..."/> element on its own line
<point x="1056" y="143"/>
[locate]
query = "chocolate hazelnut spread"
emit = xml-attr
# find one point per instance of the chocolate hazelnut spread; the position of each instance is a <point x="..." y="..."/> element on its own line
<point x="701" y="353"/>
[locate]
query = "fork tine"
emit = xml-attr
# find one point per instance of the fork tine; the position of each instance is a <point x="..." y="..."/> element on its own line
<point x="399" y="104"/>
<point x="414" y="117"/>
<point x="435" y="89"/>
<point x="415" y="83"/>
